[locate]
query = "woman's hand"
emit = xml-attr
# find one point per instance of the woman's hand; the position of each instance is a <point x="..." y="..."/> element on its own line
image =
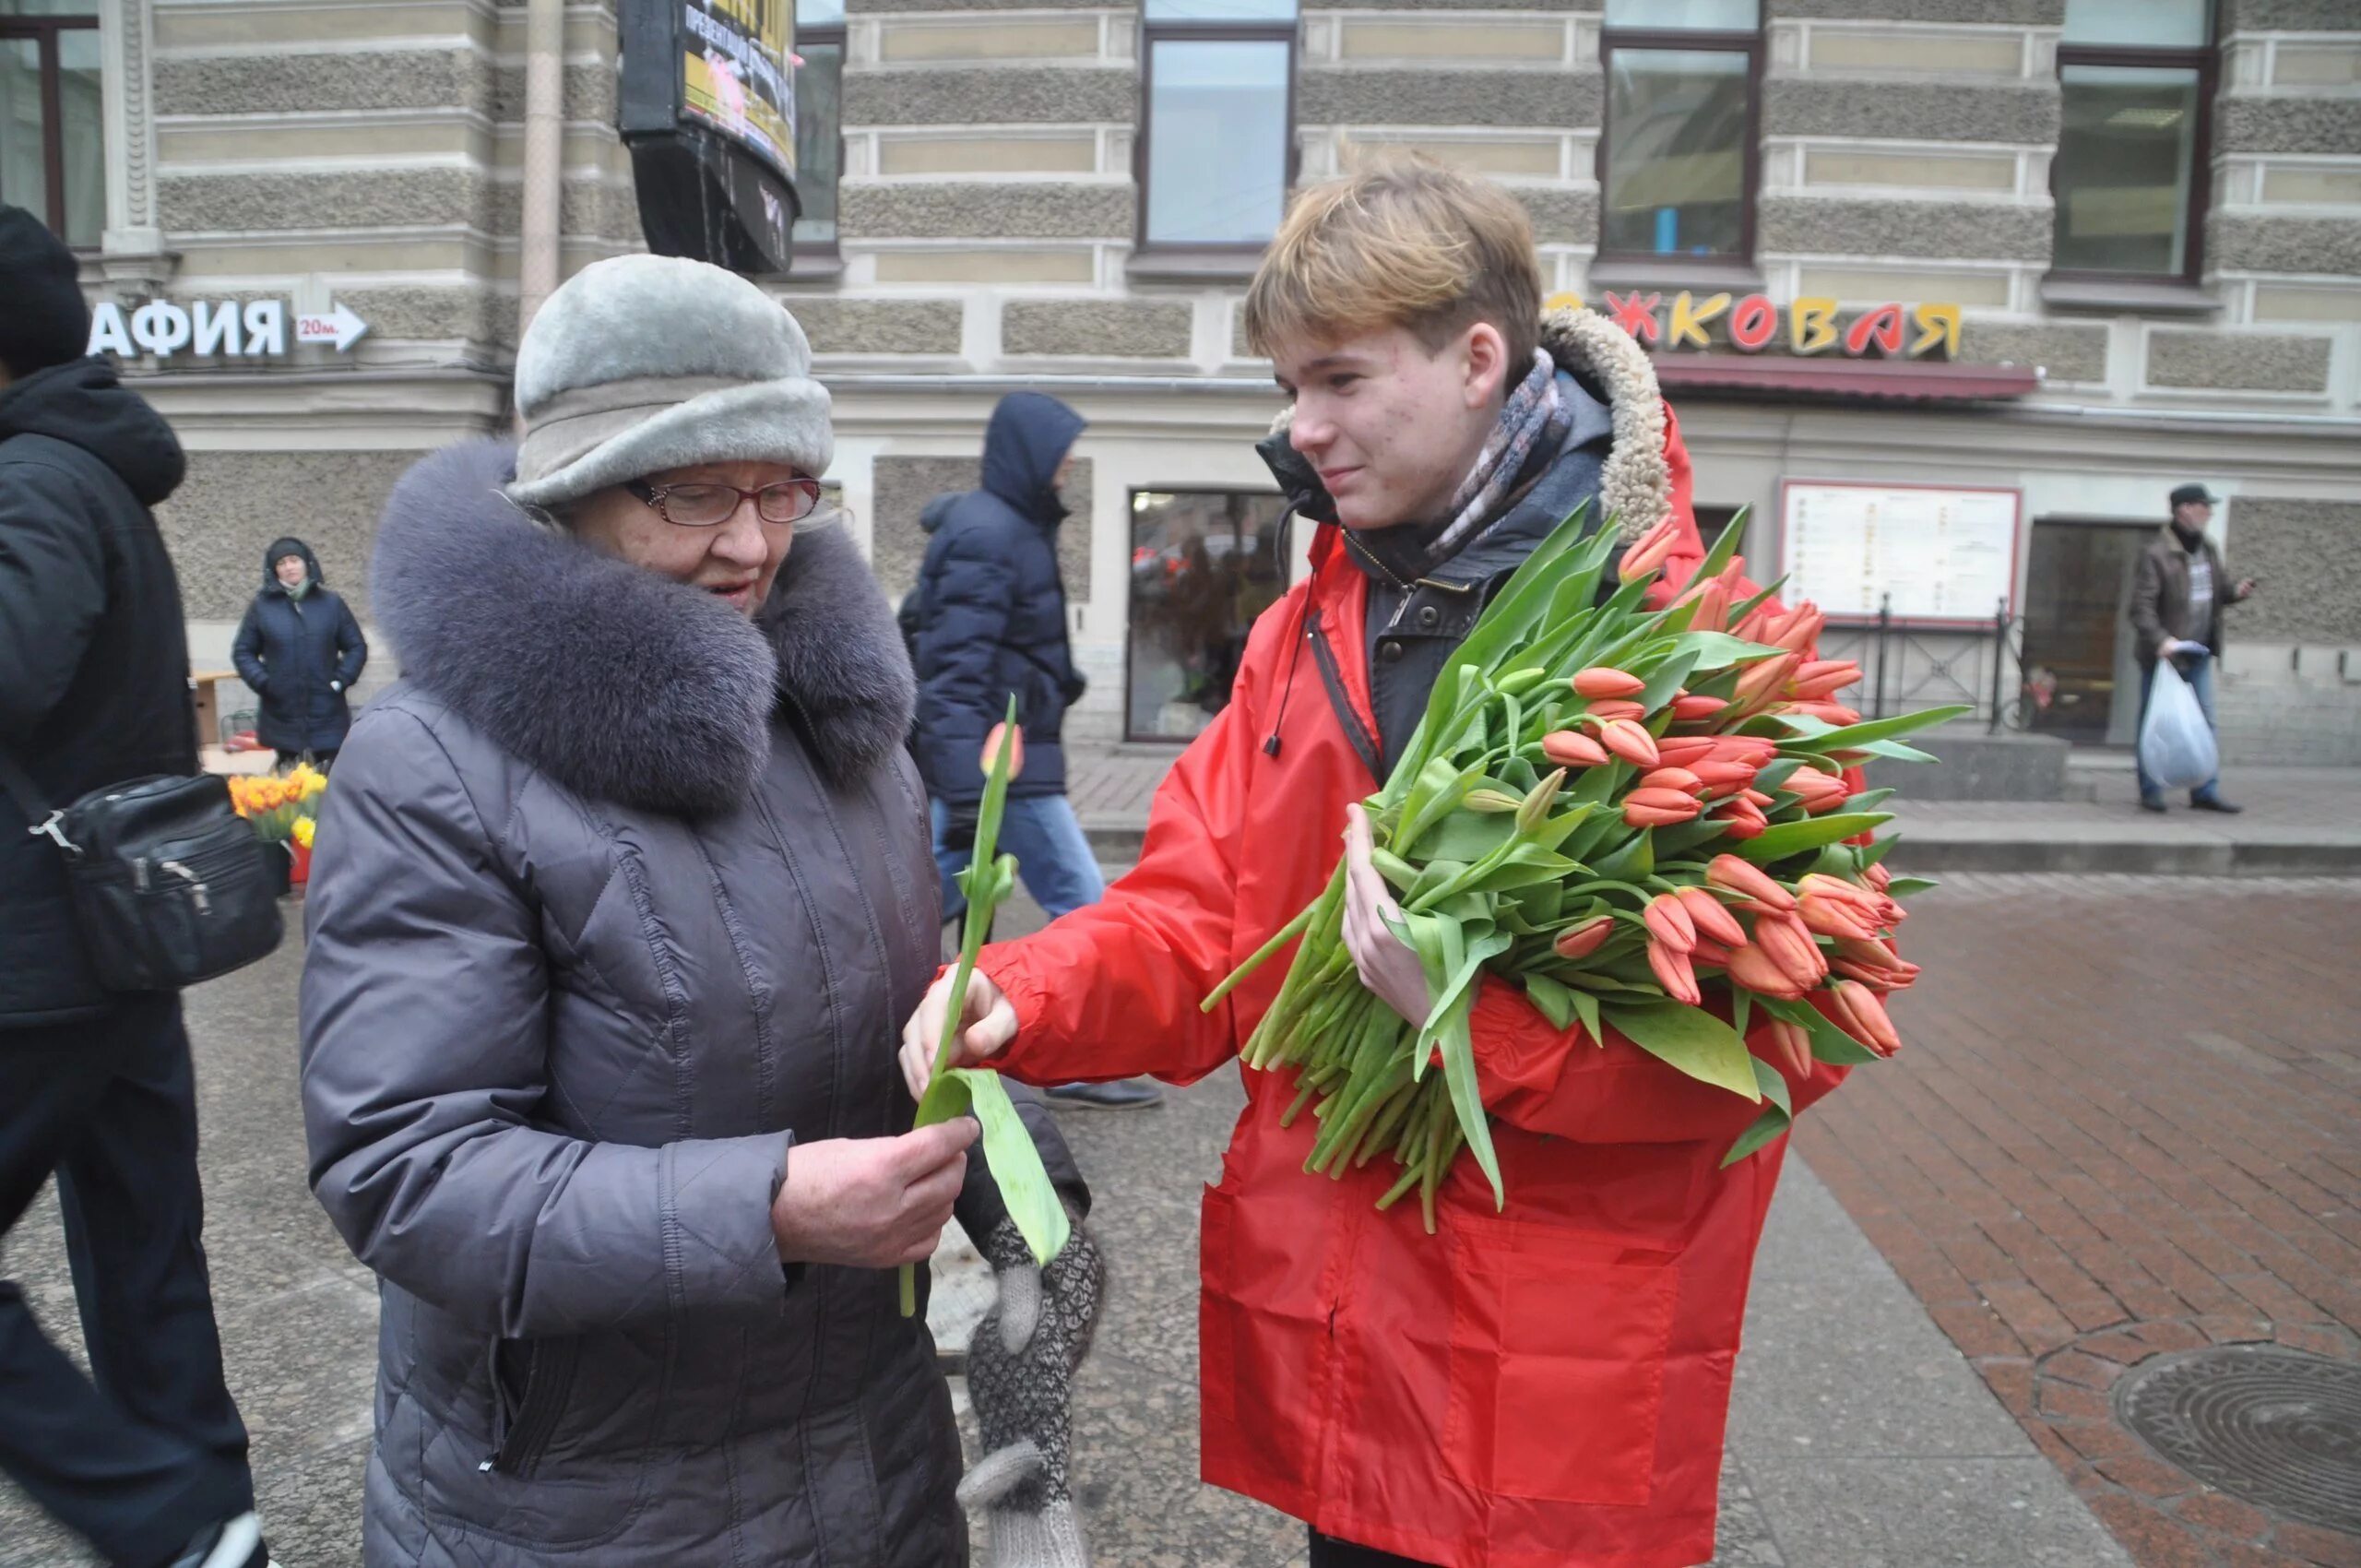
<point x="990" y="1025"/>
<point x="1390" y="969"/>
<point x="871" y="1203"/>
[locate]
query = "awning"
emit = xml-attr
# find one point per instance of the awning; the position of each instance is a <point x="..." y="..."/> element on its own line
<point x="1921" y="381"/>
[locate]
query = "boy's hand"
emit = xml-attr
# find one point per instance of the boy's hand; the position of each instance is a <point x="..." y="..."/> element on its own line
<point x="1390" y="969"/>
<point x="990" y="1025"/>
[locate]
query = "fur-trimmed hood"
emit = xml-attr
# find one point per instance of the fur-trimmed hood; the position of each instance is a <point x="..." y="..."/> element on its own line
<point x="619" y="683"/>
<point x="1635" y="484"/>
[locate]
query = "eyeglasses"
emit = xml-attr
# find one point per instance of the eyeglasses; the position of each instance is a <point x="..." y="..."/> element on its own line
<point x="704" y="505"/>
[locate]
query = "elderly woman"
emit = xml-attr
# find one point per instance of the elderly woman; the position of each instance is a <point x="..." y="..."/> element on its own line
<point x="619" y="899"/>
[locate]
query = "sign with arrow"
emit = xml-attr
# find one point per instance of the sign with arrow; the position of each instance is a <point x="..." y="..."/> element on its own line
<point x="339" y="326"/>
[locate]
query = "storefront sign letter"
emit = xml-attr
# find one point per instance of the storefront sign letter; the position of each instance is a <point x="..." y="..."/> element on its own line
<point x="160" y="327"/>
<point x="1754" y="323"/>
<point x="1938" y="324"/>
<point x="1634" y="315"/>
<point x="1689" y="320"/>
<point x="1882" y="327"/>
<point x="1811" y="325"/>
<point x="266" y="326"/>
<point x="108" y="335"/>
<point x="217" y="327"/>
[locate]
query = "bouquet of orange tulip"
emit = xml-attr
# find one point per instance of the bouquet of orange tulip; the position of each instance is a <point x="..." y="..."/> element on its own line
<point x="282" y="806"/>
<point x="1637" y="815"/>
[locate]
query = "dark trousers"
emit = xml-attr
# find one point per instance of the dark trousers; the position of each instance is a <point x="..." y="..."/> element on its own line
<point x="148" y="1449"/>
<point x="1327" y="1552"/>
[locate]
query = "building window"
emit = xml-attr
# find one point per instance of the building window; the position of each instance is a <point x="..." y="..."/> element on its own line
<point x="52" y="162"/>
<point x="2130" y="174"/>
<point x="1217" y="123"/>
<point x="1678" y="154"/>
<point x="819" y="122"/>
<point x="1204" y="563"/>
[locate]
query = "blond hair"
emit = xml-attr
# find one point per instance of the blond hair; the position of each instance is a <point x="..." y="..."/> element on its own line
<point x="1400" y="242"/>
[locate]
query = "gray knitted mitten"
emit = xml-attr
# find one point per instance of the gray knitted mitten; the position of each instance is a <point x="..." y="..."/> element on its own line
<point x="1020" y="1375"/>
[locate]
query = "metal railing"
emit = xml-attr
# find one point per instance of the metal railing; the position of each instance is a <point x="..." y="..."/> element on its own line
<point x="1904" y="671"/>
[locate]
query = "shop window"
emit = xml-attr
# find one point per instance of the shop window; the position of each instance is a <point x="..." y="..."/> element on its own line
<point x="53" y="161"/>
<point x="1678" y="152"/>
<point x="819" y="123"/>
<point x="2129" y="174"/>
<point x="1204" y="563"/>
<point x="1216" y="123"/>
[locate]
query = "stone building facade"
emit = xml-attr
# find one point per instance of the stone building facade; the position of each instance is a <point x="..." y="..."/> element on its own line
<point x="995" y="225"/>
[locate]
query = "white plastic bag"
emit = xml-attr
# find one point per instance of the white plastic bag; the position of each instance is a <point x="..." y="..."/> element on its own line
<point x="2176" y="743"/>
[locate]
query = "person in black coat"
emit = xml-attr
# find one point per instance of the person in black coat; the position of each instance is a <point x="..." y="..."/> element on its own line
<point x="301" y="650"/>
<point x="146" y="1457"/>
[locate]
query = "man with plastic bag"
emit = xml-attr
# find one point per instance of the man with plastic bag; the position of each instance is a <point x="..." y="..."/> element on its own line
<point x="2176" y="603"/>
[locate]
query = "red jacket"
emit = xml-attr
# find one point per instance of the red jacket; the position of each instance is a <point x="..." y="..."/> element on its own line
<point x="1543" y="1386"/>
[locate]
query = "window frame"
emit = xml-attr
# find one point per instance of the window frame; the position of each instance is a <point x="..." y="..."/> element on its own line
<point x="1290" y="33"/>
<point x="1288" y="556"/>
<point x="828" y="252"/>
<point x="1697" y="40"/>
<point x="2206" y="60"/>
<point x="44" y="31"/>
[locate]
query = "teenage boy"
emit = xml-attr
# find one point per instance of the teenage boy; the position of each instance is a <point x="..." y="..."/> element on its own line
<point x="1546" y="1385"/>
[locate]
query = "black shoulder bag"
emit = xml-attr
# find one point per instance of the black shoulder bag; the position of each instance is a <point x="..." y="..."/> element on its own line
<point x="168" y="881"/>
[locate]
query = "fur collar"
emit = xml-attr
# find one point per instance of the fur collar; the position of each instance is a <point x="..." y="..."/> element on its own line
<point x="622" y="686"/>
<point x="1635" y="484"/>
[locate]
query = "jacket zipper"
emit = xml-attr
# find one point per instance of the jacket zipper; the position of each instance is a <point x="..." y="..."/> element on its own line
<point x="1331" y="679"/>
<point x="549" y="1378"/>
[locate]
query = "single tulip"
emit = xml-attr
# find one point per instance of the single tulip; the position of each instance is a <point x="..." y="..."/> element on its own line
<point x="1570" y="748"/>
<point x="1668" y="922"/>
<point x="1718" y="779"/>
<point x="1877" y="876"/>
<point x="1673" y="971"/>
<point x="1492" y="802"/>
<point x="1708" y="951"/>
<point x="1600" y="681"/>
<point x="1790" y="1048"/>
<point x="1818" y="792"/>
<point x="1876" y="978"/>
<point x="1825" y="672"/>
<point x="1660" y="808"/>
<point x="1533" y="808"/>
<point x="1745" y="877"/>
<point x="1757" y="750"/>
<point x="1629" y="741"/>
<point x="1649" y="552"/>
<point x="992" y="750"/>
<point x="1859" y="1013"/>
<point x="1582" y="941"/>
<point x="1742" y="820"/>
<point x="1790" y="942"/>
<point x="1606" y="710"/>
<point x="1832" y="917"/>
<point x="1870" y="951"/>
<point x="1757" y="798"/>
<point x="1712" y="603"/>
<point x="1802" y="630"/>
<point x="1866" y="898"/>
<point x="1711" y="919"/>
<point x="1689" y="707"/>
<point x="1679" y="779"/>
<point x="1684" y="751"/>
<point x="1758" y="971"/>
<point x="1835" y="713"/>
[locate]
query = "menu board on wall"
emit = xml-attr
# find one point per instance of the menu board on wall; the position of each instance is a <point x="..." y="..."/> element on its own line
<point x="1943" y="553"/>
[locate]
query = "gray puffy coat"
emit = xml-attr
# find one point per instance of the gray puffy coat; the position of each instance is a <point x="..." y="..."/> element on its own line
<point x="615" y="897"/>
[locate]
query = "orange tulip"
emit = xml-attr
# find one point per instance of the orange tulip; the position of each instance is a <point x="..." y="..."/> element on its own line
<point x="1606" y="710"/>
<point x="992" y="750"/>
<point x="1679" y="779"/>
<point x="1818" y="792"/>
<point x="1708" y="951"/>
<point x="1745" y="877"/>
<point x="1764" y="679"/>
<point x="1706" y="913"/>
<point x="1859" y="1013"/>
<point x="1832" y="917"/>
<point x="1756" y="750"/>
<point x="1684" y="751"/>
<point x="1755" y="970"/>
<point x="1877" y="876"/>
<point x="1718" y="779"/>
<point x="1690" y="708"/>
<point x="1674" y="972"/>
<point x="1742" y="820"/>
<point x="1600" y="681"/>
<point x="1790" y="1048"/>
<point x="1582" y="941"/>
<point x="1877" y="979"/>
<point x="1790" y="942"/>
<point x="1649" y="552"/>
<point x="1569" y="748"/>
<point x="1801" y="629"/>
<point x="1659" y="808"/>
<point x="1835" y="713"/>
<point x="1823" y="677"/>
<point x="1629" y="741"/>
<point x="1668" y="922"/>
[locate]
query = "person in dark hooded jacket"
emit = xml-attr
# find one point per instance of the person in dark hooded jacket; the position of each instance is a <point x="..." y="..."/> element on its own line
<point x="990" y="614"/>
<point x="301" y="650"/>
<point x="146" y="1457"/>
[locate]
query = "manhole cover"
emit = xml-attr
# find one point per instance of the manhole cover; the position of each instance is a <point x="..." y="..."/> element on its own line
<point x="2278" y="1428"/>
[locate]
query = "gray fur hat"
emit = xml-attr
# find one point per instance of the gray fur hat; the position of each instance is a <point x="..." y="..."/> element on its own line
<point x="640" y="363"/>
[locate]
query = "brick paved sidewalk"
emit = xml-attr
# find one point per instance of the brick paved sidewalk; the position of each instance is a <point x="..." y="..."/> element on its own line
<point x="2128" y="1122"/>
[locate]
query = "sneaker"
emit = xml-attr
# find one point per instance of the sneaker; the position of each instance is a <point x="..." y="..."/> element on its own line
<point x="1124" y="1094"/>
<point x="234" y="1543"/>
<point x="2152" y="803"/>
<point x="2214" y="803"/>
